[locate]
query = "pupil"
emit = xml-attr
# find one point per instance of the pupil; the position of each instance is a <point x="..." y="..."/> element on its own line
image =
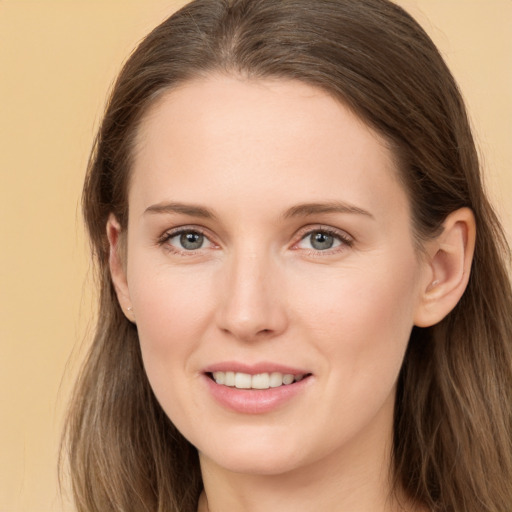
<point x="191" y="241"/>
<point x="321" y="241"/>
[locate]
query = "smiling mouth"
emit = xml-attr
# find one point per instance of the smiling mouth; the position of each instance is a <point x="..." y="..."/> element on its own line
<point x="241" y="380"/>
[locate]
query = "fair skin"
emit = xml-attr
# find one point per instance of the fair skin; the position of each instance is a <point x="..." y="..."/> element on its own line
<point x="269" y="234"/>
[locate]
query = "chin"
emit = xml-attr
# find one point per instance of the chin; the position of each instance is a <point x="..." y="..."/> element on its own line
<point x="249" y="464"/>
<point x="254" y="458"/>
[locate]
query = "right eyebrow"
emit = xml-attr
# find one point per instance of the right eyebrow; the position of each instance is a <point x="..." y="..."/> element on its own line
<point x="183" y="208"/>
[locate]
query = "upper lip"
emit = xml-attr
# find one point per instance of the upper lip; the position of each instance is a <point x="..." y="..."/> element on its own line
<point x="254" y="368"/>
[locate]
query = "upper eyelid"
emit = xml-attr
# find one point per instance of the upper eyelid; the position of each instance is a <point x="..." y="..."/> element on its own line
<point x="173" y="232"/>
<point x="307" y="230"/>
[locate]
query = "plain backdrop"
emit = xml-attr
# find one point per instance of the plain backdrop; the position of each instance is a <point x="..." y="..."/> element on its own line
<point x="57" y="61"/>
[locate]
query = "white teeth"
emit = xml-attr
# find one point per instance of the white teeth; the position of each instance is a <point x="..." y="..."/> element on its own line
<point x="288" y="379"/>
<point x="229" y="379"/>
<point x="220" y="377"/>
<point x="276" y="380"/>
<point x="259" y="381"/>
<point x="243" y="381"/>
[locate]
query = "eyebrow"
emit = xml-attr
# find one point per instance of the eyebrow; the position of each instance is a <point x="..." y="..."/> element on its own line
<point x="300" y="210"/>
<point x="185" y="209"/>
<point x="307" y="209"/>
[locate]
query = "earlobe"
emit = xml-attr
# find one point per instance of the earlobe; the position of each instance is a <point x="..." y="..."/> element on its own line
<point x="449" y="260"/>
<point x="117" y="267"/>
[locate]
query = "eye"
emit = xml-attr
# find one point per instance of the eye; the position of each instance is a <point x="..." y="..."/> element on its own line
<point x="186" y="240"/>
<point x="319" y="241"/>
<point x="190" y="241"/>
<point x="323" y="240"/>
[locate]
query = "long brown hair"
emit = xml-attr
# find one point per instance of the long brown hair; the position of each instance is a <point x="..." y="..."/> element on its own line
<point x="453" y="417"/>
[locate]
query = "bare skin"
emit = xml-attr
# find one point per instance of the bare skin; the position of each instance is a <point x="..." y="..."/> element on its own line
<point x="267" y="227"/>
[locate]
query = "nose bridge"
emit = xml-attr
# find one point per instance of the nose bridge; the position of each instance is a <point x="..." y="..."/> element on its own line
<point x="252" y="304"/>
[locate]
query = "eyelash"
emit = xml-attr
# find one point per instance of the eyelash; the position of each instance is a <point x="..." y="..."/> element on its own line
<point x="163" y="241"/>
<point x="345" y="240"/>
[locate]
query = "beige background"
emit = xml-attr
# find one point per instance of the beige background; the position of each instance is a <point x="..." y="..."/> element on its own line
<point x="57" y="59"/>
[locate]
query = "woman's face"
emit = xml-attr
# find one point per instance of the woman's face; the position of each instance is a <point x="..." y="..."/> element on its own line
<point x="269" y="241"/>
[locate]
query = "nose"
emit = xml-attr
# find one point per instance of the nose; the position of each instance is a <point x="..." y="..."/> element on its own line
<point x="252" y="301"/>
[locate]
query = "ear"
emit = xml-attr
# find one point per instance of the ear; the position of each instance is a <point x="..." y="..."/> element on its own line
<point x="449" y="258"/>
<point x="117" y="266"/>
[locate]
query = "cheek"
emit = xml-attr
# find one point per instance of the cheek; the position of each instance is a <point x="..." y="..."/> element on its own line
<point x="172" y="310"/>
<point x="365" y="320"/>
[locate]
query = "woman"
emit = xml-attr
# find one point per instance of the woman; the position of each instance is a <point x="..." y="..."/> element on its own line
<point x="304" y="298"/>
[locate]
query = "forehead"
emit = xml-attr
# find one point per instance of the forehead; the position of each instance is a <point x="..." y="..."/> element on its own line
<point x="224" y="135"/>
<point x="237" y="103"/>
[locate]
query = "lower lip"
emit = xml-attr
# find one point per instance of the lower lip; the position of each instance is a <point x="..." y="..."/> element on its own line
<point x="255" y="401"/>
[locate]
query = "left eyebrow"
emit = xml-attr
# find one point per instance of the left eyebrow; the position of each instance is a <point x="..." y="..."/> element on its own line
<point x="307" y="209"/>
<point x="182" y="208"/>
